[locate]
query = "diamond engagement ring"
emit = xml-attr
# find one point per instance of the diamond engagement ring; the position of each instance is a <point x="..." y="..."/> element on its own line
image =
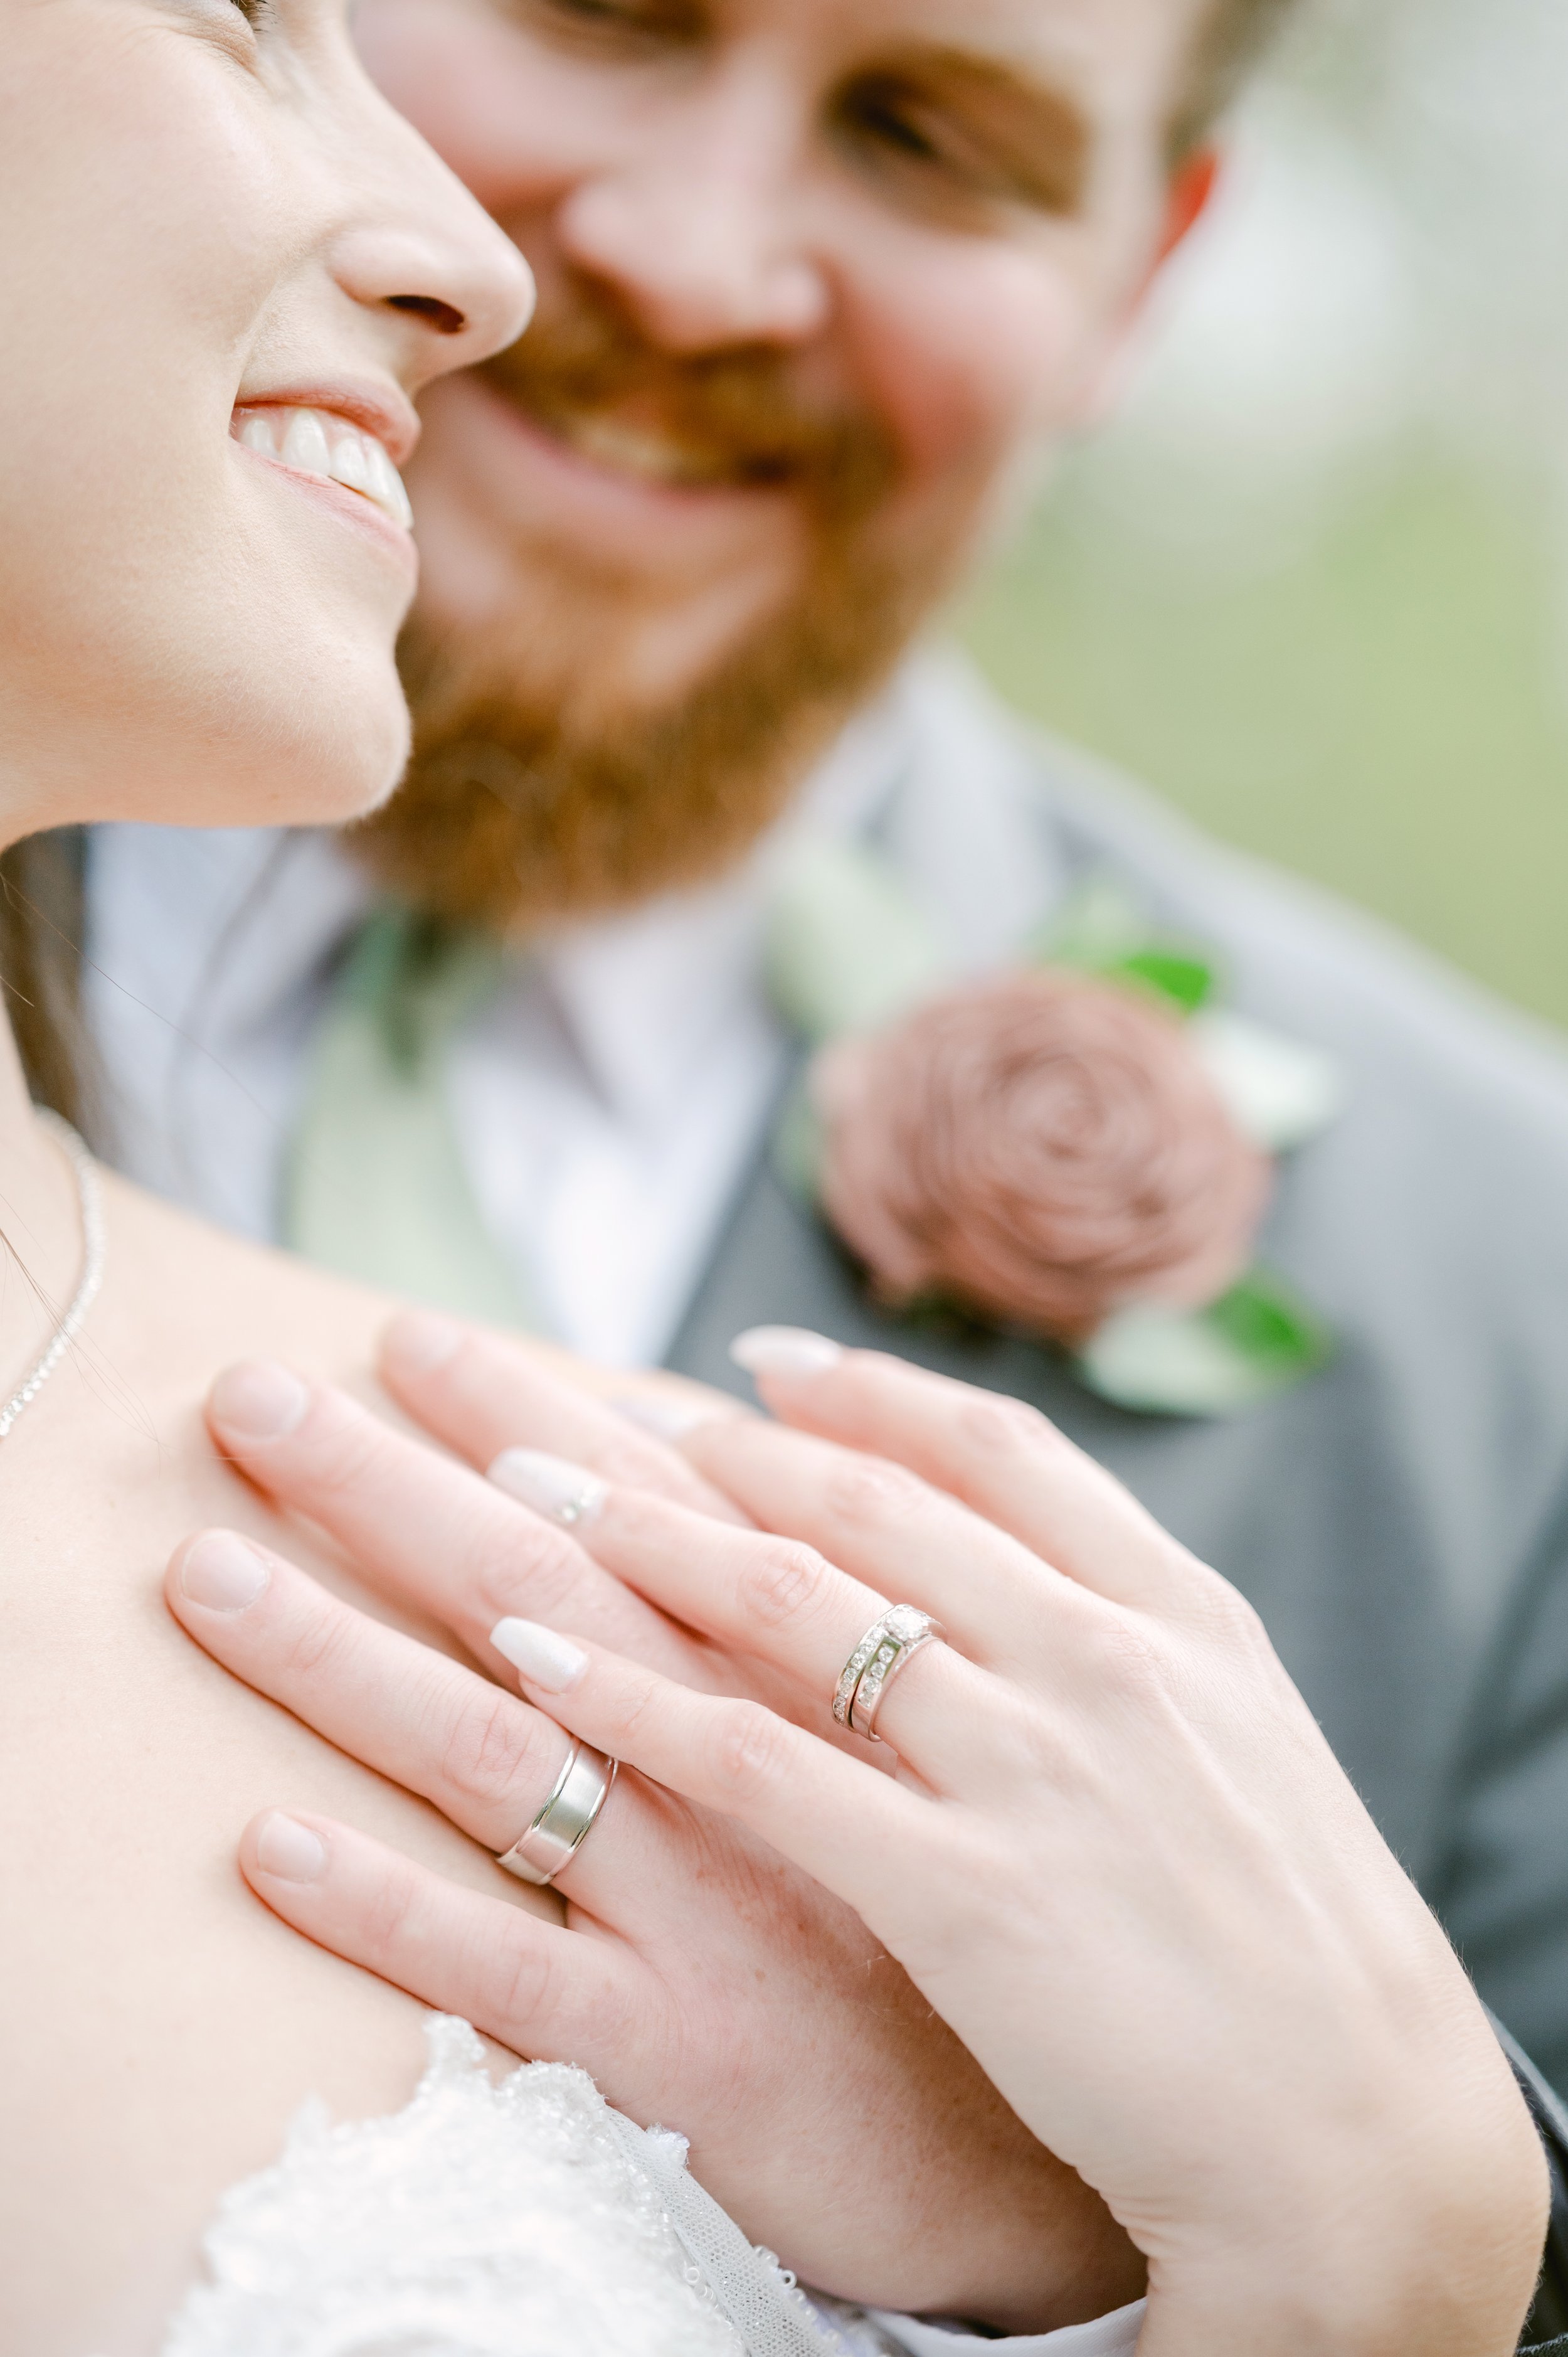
<point x="900" y="1633"/>
<point x="564" y="1823"/>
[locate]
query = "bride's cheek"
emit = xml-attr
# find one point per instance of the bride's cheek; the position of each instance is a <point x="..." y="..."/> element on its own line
<point x="128" y="557"/>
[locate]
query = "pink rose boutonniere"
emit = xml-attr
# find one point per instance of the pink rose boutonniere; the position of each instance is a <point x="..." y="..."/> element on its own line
<point x="1079" y="1148"/>
<point x="1045" y="1145"/>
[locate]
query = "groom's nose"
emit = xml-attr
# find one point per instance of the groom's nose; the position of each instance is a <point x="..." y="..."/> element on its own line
<point x="697" y="196"/>
<point x="704" y="222"/>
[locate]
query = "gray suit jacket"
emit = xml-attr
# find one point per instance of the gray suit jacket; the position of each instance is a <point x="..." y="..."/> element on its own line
<point x="1402" y="1520"/>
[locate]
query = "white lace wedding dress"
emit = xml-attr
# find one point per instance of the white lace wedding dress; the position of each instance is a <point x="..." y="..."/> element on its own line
<point x="520" y="2220"/>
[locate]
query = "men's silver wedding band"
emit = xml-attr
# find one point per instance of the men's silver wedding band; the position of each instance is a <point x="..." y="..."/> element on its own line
<point x="566" y="1821"/>
<point x="891" y="1641"/>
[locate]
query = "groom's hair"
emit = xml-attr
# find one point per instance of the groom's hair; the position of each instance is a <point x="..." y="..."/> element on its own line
<point x="1229" y="43"/>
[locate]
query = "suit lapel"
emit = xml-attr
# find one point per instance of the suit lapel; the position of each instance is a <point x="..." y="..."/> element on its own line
<point x="970" y="833"/>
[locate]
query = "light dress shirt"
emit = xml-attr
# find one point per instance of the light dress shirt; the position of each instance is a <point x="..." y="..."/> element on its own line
<point x="608" y="1103"/>
<point x="609" y="1100"/>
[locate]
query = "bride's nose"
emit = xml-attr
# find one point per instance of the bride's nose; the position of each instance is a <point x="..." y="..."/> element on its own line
<point x="422" y="252"/>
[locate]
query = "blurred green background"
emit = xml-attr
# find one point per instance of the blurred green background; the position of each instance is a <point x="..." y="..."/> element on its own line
<point x="1313" y="583"/>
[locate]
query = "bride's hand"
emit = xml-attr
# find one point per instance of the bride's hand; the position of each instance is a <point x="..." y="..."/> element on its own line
<point x="1119" y="1857"/>
<point x="704" y="1981"/>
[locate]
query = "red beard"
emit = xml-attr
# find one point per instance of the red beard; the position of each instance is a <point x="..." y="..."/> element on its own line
<point x="533" y="793"/>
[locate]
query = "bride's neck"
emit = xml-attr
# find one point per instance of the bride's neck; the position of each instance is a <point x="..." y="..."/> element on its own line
<point x="40" y="1241"/>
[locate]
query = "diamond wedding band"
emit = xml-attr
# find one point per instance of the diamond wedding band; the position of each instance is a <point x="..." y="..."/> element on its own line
<point x="900" y="1633"/>
<point x="564" y="1823"/>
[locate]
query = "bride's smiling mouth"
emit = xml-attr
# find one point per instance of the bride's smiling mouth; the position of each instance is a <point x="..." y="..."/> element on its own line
<point x="322" y="445"/>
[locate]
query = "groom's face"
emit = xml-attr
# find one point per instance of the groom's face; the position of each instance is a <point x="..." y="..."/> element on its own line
<point x="815" y="277"/>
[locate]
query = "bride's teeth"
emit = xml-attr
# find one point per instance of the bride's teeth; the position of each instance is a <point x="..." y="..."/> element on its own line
<point x="351" y="464"/>
<point x="314" y="443"/>
<point x="304" y="444"/>
<point x="386" y="484"/>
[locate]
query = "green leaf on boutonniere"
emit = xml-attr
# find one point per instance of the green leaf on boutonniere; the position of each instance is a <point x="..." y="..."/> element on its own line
<point x="1101" y="929"/>
<point x="1246" y="1347"/>
<point x="848" y="947"/>
<point x="1186" y="982"/>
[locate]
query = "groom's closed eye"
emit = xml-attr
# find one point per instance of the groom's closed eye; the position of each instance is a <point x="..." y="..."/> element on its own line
<point x="947" y="127"/>
<point x="944" y="128"/>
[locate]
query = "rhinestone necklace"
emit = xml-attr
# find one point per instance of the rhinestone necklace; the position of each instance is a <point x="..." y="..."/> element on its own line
<point x="94" y="1250"/>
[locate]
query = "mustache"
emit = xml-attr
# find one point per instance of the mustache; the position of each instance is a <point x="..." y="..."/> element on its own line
<point x="736" y="412"/>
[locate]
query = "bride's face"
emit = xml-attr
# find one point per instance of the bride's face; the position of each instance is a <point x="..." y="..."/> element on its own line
<point x="225" y="268"/>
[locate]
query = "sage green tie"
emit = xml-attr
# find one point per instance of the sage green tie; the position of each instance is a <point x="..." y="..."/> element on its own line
<point x="374" y="1185"/>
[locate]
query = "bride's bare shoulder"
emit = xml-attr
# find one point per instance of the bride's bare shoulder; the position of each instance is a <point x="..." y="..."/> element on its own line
<point x="230" y="1296"/>
<point x="187" y="1294"/>
<point x="193" y="2022"/>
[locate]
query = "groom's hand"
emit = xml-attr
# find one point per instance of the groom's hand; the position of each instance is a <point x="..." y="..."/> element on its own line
<point x="703" y="1982"/>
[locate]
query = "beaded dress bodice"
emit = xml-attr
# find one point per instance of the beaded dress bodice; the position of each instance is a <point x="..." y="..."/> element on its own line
<point x="525" y="2219"/>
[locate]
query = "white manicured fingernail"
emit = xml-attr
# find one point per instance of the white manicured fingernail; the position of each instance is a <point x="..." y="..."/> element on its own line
<point x="419" y="1341"/>
<point x="784" y="1350"/>
<point x="551" y="1486"/>
<point x="543" y="1659"/>
<point x="222" y="1572"/>
<point x="290" y="1850"/>
<point x="667" y="1420"/>
<point x="258" y="1400"/>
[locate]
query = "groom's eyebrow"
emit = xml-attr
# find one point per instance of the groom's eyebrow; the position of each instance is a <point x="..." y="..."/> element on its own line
<point x="1021" y="112"/>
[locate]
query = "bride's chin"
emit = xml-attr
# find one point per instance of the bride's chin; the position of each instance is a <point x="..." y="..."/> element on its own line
<point x="346" y="731"/>
<point x="326" y="777"/>
<point x="348" y="782"/>
<point x="231" y="713"/>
